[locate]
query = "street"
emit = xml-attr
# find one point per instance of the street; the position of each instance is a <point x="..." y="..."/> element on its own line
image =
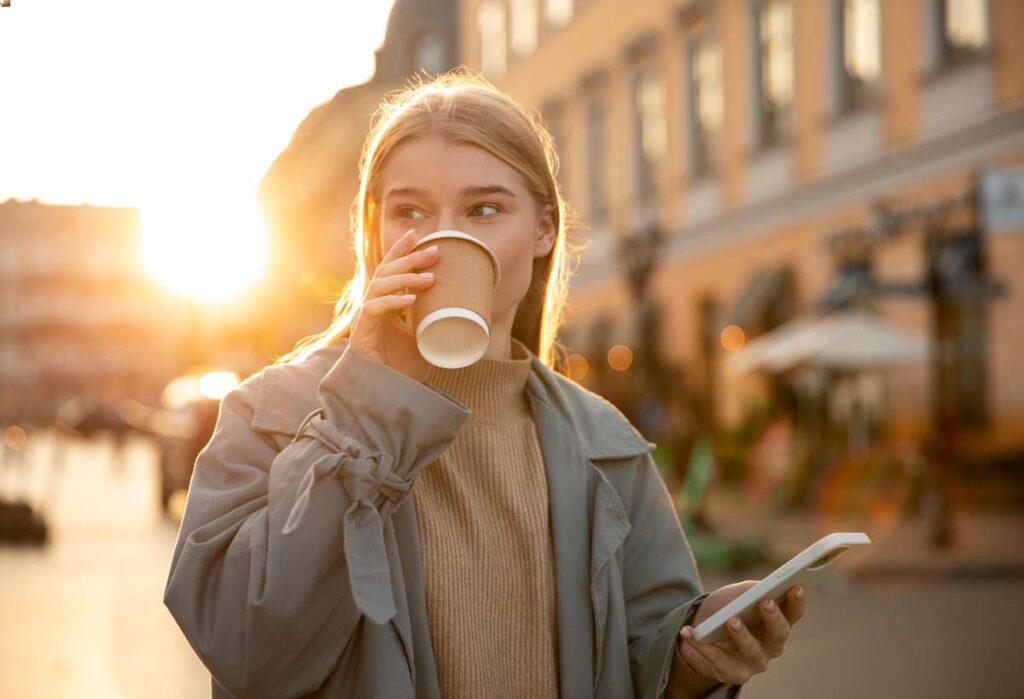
<point x="85" y="617"/>
<point x="901" y="640"/>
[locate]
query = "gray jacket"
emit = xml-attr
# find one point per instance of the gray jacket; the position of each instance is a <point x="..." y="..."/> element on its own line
<point x="296" y="572"/>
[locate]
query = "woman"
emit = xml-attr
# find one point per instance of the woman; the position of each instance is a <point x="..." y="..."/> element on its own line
<point x="539" y="554"/>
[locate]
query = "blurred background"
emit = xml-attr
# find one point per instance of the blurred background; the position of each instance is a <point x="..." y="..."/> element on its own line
<point x="803" y="231"/>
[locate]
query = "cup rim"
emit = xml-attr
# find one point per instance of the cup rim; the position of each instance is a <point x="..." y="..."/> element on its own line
<point x="452" y="233"/>
<point x="450" y="362"/>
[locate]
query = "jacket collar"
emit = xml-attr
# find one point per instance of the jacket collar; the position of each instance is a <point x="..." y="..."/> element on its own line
<point x="604" y="432"/>
<point x="287" y="393"/>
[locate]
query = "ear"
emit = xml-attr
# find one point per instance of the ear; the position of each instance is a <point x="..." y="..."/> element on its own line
<point x="546" y="231"/>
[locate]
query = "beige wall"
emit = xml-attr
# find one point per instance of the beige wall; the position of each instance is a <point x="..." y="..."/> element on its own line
<point x="1009" y="62"/>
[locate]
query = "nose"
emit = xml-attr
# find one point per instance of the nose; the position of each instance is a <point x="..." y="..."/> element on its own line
<point x="448" y="220"/>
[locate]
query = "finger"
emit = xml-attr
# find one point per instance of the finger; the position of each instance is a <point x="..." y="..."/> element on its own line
<point x="381" y="286"/>
<point x="408" y="262"/>
<point x="378" y="306"/>
<point x="698" y="662"/>
<point x="776" y="627"/>
<point x="401" y="246"/>
<point x="750" y="647"/>
<point x="727" y="668"/>
<point x="796" y="599"/>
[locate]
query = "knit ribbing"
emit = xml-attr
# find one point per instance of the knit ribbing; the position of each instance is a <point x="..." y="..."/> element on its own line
<point x="494" y="389"/>
<point x="482" y="511"/>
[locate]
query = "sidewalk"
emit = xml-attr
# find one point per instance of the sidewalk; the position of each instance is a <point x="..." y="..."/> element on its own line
<point x="986" y="543"/>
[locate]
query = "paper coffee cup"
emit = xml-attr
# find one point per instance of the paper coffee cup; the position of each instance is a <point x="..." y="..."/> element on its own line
<point x="451" y="319"/>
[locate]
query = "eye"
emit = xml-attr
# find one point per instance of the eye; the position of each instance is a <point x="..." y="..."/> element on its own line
<point x="480" y="207"/>
<point x="408" y="212"/>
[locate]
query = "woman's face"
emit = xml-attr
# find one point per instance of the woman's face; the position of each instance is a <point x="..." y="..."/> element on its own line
<point x="430" y="184"/>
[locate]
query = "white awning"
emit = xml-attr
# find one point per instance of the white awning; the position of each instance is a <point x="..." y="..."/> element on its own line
<point x="847" y="339"/>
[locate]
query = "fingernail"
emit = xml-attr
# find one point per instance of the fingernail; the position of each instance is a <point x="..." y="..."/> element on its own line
<point x="427" y="275"/>
<point x="432" y="248"/>
<point x="799" y="593"/>
<point x="687" y="633"/>
<point x="769" y="605"/>
<point x="735" y="623"/>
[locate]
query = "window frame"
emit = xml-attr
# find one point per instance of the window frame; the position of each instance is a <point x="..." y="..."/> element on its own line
<point x="597" y="172"/>
<point x="553" y="22"/>
<point x="500" y="69"/>
<point x="772" y="128"/>
<point x="646" y="186"/>
<point x="940" y="56"/>
<point x="704" y="156"/>
<point x="852" y="93"/>
<point x="530" y="26"/>
<point x="419" y="41"/>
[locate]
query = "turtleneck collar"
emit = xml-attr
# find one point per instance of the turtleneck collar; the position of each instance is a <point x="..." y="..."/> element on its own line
<point x="493" y="389"/>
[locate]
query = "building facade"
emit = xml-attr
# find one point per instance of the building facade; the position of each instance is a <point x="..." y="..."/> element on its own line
<point x="756" y="136"/>
<point x="79" y="317"/>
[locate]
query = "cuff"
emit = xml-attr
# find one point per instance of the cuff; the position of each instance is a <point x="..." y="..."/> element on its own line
<point x="389" y="411"/>
<point x="376" y="429"/>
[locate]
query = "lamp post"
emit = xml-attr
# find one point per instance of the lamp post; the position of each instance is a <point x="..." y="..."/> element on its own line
<point x="638" y="254"/>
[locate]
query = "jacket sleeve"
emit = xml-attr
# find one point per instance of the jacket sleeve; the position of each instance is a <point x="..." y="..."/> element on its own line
<point x="281" y="552"/>
<point x="660" y="584"/>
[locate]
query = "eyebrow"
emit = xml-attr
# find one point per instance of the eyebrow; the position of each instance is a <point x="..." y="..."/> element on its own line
<point x="469" y="191"/>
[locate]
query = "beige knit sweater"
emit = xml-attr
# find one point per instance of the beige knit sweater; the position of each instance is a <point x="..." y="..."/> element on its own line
<point x="482" y="511"/>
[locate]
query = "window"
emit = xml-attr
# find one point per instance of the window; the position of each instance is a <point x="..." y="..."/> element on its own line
<point x="524" y="26"/>
<point x="958" y="84"/>
<point x="774" y="22"/>
<point x="964" y="27"/>
<point x="558" y="12"/>
<point x="706" y="100"/>
<point x="597" y="161"/>
<point x="649" y="128"/>
<point x="428" y="53"/>
<point x="861" y="51"/>
<point x="493" y="48"/>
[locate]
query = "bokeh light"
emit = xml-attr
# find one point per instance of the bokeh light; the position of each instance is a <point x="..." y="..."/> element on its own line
<point x="15" y="437"/>
<point x="733" y="338"/>
<point x="576" y="366"/>
<point x="620" y="358"/>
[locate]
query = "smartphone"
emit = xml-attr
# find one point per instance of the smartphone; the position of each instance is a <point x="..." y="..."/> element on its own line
<point x="799" y="570"/>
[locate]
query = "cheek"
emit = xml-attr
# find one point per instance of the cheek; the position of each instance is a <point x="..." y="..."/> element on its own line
<point x="387" y="235"/>
<point x="516" y="273"/>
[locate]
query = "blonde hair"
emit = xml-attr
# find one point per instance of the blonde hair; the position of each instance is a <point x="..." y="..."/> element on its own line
<point x="464" y="107"/>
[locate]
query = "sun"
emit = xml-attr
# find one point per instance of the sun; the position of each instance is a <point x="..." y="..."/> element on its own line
<point x="211" y="251"/>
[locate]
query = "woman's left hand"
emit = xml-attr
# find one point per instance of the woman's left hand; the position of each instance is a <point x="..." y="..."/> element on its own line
<point x="736" y="661"/>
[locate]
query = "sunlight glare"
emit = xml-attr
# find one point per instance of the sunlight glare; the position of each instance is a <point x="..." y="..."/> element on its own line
<point x="209" y="251"/>
<point x="217" y="384"/>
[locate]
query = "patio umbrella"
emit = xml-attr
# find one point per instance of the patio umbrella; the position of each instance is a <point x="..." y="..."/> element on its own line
<point x="845" y="339"/>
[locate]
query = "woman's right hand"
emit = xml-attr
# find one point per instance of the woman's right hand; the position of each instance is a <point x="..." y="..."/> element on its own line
<point x="377" y="330"/>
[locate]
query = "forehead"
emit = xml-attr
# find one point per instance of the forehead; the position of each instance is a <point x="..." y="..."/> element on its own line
<point x="441" y="166"/>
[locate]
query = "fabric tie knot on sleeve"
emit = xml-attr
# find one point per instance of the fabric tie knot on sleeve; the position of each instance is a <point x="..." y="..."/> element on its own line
<point x="364" y="474"/>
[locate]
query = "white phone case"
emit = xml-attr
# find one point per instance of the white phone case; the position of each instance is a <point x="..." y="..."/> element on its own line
<point x="800" y="569"/>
